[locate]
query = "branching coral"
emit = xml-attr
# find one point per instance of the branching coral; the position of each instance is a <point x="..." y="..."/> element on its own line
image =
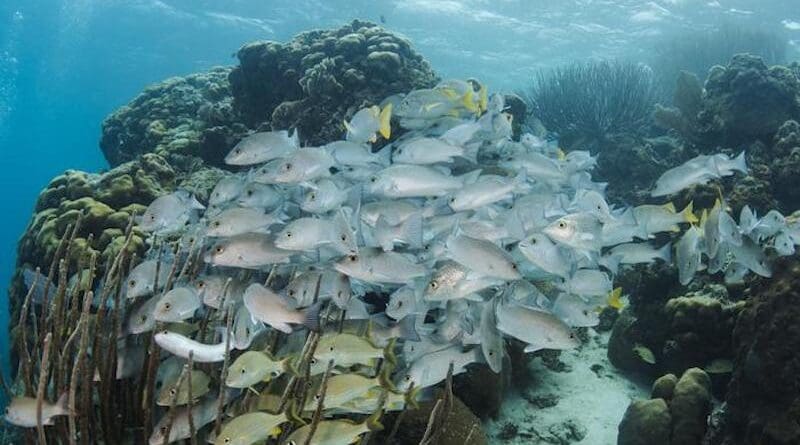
<point x="585" y="103"/>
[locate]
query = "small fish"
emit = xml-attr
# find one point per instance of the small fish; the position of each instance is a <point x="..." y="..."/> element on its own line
<point x="575" y="312"/>
<point x="588" y="283"/>
<point x="482" y="256"/>
<point x="664" y="218"/>
<point x="751" y="256"/>
<point x="202" y="414"/>
<point x="306" y="234"/>
<point x="326" y="196"/>
<point x="644" y="353"/>
<point x="642" y="253"/>
<point x="543" y="253"/>
<point x="254" y="367"/>
<point x="226" y="190"/>
<point x="492" y="343"/>
<point x="687" y="254"/>
<point x="210" y="289"/>
<point x="376" y="266"/>
<point x="682" y="177"/>
<point x="335" y="432"/>
<point x="432" y="368"/>
<point x="486" y="190"/>
<point x="783" y="244"/>
<point x="539" y="329"/>
<point x="381" y="331"/>
<point x="415" y="181"/>
<point x="719" y="366"/>
<point x="577" y="230"/>
<point x="263" y="147"/>
<point x="248" y="251"/>
<point x="343" y="388"/>
<point x="614" y="299"/>
<point x="260" y="196"/>
<point x="424" y="151"/>
<point x="180" y="394"/>
<point x="404" y="302"/>
<point x="348" y="350"/>
<point x="141" y="280"/>
<point x="592" y="201"/>
<point x="250" y="428"/>
<point x="176" y="305"/>
<point x="245" y="329"/>
<point x="181" y="345"/>
<point x="710" y="223"/>
<point x="408" y="232"/>
<point x="728" y="230"/>
<point x="348" y="153"/>
<point x="170" y="213"/>
<point x="301" y="166"/>
<point x="368" y="122"/>
<point x="452" y="281"/>
<point x="21" y="411"/>
<point x="275" y="310"/>
<point x="241" y="220"/>
<point x="394" y="212"/>
<point x="141" y="318"/>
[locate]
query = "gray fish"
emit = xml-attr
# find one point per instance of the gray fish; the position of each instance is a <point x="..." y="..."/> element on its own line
<point x="170" y="213"/>
<point x="482" y="256"/>
<point x="260" y="196"/>
<point x="375" y="266"/>
<point x="452" y="281"/>
<point x="641" y="253"/>
<point x="177" y="305"/>
<point x="408" y="232"/>
<point x="307" y="234"/>
<point x="577" y="230"/>
<point x="539" y="329"/>
<point x="248" y="251"/>
<point x="492" y="343"/>
<point x="141" y="318"/>
<point x="415" y="181"/>
<point x="687" y="254"/>
<point x="575" y="312"/>
<point x="240" y="220"/>
<point x="368" y="122"/>
<point x="263" y="147"/>
<point x="488" y="189"/>
<point x="326" y="196"/>
<point x="142" y="278"/>
<point x="301" y="166"/>
<point x="245" y="328"/>
<point x="348" y="153"/>
<point x="424" y="151"/>
<point x="405" y="302"/>
<point x="21" y="411"/>
<point x="226" y="190"/>
<point x="542" y="252"/>
<point x="432" y="368"/>
<point x="181" y="346"/>
<point x="202" y="414"/>
<point x="276" y="310"/>
<point x="588" y="283"/>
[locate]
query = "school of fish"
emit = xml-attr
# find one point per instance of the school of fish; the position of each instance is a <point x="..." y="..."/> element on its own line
<point x="412" y="259"/>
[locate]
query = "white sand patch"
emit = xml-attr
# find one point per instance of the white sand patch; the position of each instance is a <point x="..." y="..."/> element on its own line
<point x="595" y="400"/>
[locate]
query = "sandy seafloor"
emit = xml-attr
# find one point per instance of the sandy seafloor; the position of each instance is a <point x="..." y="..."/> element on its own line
<point x="590" y="398"/>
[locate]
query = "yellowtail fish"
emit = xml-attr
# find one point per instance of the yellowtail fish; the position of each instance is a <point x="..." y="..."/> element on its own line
<point x="21" y="411"/>
<point x="343" y="388"/>
<point x="348" y="349"/>
<point x="253" y="367"/>
<point x="335" y="432"/>
<point x="250" y="428"/>
<point x="171" y="390"/>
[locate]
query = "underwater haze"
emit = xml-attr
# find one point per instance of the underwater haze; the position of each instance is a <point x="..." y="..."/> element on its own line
<point x="607" y="185"/>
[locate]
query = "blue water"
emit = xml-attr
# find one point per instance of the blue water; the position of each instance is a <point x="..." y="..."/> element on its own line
<point x="64" y="65"/>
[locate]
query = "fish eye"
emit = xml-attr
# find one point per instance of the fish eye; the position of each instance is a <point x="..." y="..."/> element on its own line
<point x="313" y="361"/>
<point x="408" y="377"/>
<point x="433" y="284"/>
<point x="165" y="332"/>
<point x="143" y="318"/>
<point x="599" y="207"/>
<point x="247" y="331"/>
<point x="238" y="151"/>
<point x="167" y="306"/>
<point x="373" y="179"/>
<point x="201" y="284"/>
<point x="217" y="223"/>
<point x="219" y="249"/>
<point x="491" y="353"/>
<point x="275" y="373"/>
<point x="172" y="391"/>
<point x="514" y="266"/>
<point x="344" y="237"/>
<point x="400" y="304"/>
<point x="562" y="225"/>
<point x="339" y="293"/>
<point x="287" y="166"/>
<point x="534" y="240"/>
<point x="572" y="335"/>
<point x="226" y="440"/>
<point x="244" y="371"/>
<point x="312" y="196"/>
<point x="249" y="193"/>
<point x="288" y="234"/>
<point x="353" y="258"/>
<point x="316" y="396"/>
<point x="331" y="349"/>
<point x="452" y="200"/>
<point x="132" y="283"/>
<point x="291" y="292"/>
<point x="152" y="217"/>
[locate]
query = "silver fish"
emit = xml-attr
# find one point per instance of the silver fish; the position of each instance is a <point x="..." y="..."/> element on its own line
<point x="277" y="311"/>
<point x="413" y="181"/>
<point x="482" y="256"/>
<point x="181" y="345"/>
<point x="301" y="166"/>
<point x="248" y="251"/>
<point x="262" y="147"/>
<point x="542" y="252"/>
<point x="240" y="220"/>
<point x="170" y="213"/>
<point x="260" y="196"/>
<point x="142" y="278"/>
<point x="21" y="411"/>
<point x="539" y="329"/>
<point x="687" y="254"/>
<point x="306" y="234"/>
<point x="575" y="312"/>
<point x="348" y="153"/>
<point x="375" y="266"/>
<point x="577" y="230"/>
<point x="432" y="368"/>
<point x="176" y="305"/>
<point x="367" y="123"/>
<point x="424" y="150"/>
<point x="226" y="190"/>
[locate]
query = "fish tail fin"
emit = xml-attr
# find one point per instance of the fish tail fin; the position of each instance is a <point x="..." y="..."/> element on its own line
<point x="412" y="230"/>
<point x="384" y="155"/>
<point x="408" y="328"/>
<point x="295" y="138"/>
<point x="688" y="214"/>
<point x="614" y="300"/>
<point x="386" y="121"/>
<point x="468" y="101"/>
<point x="471" y="177"/>
<point x="293" y="414"/>
<point x="311" y="318"/>
<point x="388" y="352"/>
<point x="385" y="378"/>
<point x="412" y="396"/>
<point x="348" y="128"/>
<point x="471" y="153"/>
<point x="62" y="404"/>
<point x="665" y="252"/>
<point x="373" y="422"/>
<point x="740" y="163"/>
<point x="483" y="98"/>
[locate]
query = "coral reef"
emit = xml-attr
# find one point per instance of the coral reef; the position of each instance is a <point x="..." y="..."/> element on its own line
<point x="763" y="399"/>
<point x="676" y="414"/>
<point x="686" y="330"/>
<point x="586" y="103"/>
<point x="182" y="115"/>
<point x="320" y="78"/>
